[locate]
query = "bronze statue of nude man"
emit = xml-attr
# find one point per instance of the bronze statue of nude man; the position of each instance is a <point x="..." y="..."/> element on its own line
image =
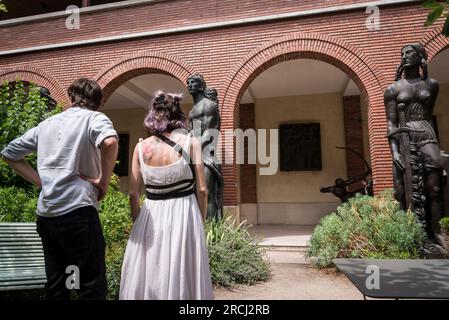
<point x="205" y="122"/>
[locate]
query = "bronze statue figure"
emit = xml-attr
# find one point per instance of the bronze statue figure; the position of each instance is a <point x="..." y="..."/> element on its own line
<point x="205" y="122"/>
<point x="418" y="164"/>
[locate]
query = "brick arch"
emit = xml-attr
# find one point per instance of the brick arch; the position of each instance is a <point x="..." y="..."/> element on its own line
<point x="38" y="77"/>
<point x="124" y="69"/>
<point x="434" y="42"/>
<point x="346" y="57"/>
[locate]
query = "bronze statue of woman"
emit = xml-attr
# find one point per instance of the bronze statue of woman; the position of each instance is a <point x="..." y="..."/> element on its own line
<point x="205" y="122"/>
<point x="418" y="167"/>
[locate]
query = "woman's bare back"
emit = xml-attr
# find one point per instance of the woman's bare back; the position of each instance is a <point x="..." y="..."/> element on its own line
<point x="157" y="153"/>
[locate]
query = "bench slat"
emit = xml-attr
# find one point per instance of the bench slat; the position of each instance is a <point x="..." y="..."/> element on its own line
<point x="14" y="277"/>
<point x="18" y="250"/>
<point x="23" y="277"/>
<point x="23" y="287"/>
<point x="17" y="224"/>
<point x="26" y="258"/>
<point x="24" y="243"/>
<point x="27" y="282"/>
<point x="19" y="254"/>
<point x="22" y="264"/>
<point x="4" y="264"/>
<point x="15" y="267"/>
<point x="6" y="237"/>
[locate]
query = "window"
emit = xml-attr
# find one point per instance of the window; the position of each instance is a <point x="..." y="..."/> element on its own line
<point x="300" y="147"/>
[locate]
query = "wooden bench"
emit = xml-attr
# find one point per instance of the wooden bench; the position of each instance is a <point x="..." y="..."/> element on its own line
<point x="22" y="263"/>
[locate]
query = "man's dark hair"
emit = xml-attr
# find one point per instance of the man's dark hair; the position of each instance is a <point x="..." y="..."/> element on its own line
<point x="85" y="93"/>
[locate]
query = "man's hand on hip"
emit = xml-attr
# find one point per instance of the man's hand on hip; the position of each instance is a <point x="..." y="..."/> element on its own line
<point x="102" y="186"/>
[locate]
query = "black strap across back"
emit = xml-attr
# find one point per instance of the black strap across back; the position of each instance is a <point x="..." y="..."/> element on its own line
<point x="188" y="187"/>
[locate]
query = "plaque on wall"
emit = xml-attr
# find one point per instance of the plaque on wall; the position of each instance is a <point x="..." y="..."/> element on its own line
<point x="121" y="168"/>
<point x="300" y="147"/>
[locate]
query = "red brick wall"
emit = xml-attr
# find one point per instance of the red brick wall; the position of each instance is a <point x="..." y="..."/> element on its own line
<point x="229" y="58"/>
<point x="163" y="15"/>
<point x="248" y="173"/>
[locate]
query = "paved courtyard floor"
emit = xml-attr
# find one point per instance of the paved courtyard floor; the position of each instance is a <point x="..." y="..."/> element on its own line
<point x="292" y="277"/>
<point x="295" y="282"/>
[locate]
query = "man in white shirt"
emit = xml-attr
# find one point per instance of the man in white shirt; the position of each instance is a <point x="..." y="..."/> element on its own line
<point x="76" y="153"/>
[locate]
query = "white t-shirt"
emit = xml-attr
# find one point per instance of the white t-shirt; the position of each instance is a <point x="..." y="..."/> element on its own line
<point x="67" y="146"/>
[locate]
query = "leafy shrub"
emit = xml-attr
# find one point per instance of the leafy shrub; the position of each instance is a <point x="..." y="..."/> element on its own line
<point x="444" y="223"/>
<point x="116" y="222"/>
<point x="366" y="227"/>
<point x="233" y="255"/>
<point x="17" y="205"/>
<point x="114" y="259"/>
<point x="115" y="215"/>
<point x="21" y="108"/>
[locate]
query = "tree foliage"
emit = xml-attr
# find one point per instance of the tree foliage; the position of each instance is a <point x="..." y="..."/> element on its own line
<point x="2" y="7"/>
<point x="21" y="108"/>
<point x="438" y="10"/>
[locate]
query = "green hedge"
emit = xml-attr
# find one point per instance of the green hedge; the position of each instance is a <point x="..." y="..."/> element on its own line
<point x="17" y="205"/>
<point x="366" y="227"/>
<point x="117" y="224"/>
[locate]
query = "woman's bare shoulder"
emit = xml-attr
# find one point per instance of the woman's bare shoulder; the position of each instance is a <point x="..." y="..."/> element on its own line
<point x="148" y="144"/>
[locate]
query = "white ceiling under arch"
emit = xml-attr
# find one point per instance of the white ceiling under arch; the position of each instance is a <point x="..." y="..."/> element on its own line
<point x="137" y="92"/>
<point x="300" y="77"/>
<point x="439" y="67"/>
<point x="290" y="78"/>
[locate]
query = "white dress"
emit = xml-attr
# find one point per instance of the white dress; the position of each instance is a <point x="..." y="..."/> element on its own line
<point x="166" y="256"/>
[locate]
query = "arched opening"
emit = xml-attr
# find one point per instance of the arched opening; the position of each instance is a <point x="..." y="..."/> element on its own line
<point x="39" y="78"/>
<point x="315" y="107"/>
<point x="25" y="87"/>
<point x="438" y="67"/>
<point x="127" y="98"/>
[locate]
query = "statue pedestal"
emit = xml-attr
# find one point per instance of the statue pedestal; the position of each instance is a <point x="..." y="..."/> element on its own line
<point x="432" y="250"/>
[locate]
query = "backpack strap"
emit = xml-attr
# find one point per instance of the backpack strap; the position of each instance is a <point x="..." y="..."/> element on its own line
<point x="179" y="150"/>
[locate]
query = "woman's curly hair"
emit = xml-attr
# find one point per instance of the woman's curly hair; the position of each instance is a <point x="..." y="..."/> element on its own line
<point x="165" y="113"/>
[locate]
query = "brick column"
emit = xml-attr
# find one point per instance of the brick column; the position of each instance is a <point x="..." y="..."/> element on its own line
<point x="248" y="184"/>
<point x="354" y="135"/>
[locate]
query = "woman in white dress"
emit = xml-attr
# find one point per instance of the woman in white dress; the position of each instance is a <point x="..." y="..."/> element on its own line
<point x="166" y="256"/>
